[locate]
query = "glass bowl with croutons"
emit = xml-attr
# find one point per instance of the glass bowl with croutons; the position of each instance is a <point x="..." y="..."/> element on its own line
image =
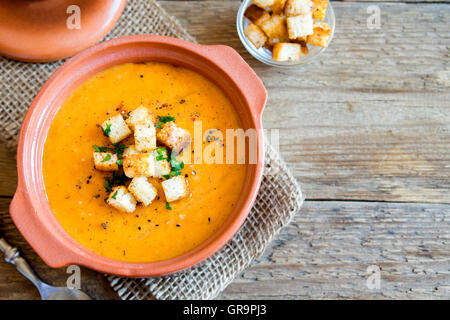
<point x="283" y="33"/>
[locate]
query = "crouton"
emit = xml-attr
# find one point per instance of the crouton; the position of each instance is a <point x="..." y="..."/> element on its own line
<point x="305" y="49"/>
<point x="162" y="165"/>
<point x="256" y="15"/>
<point x="319" y="9"/>
<point x="130" y="150"/>
<point x="174" y="137"/>
<point x="299" y="26"/>
<point x="143" y="190"/>
<point x="321" y="34"/>
<point x="139" y="115"/>
<point x="145" y="136"/>
<point x="105" y="161"/>
<point x="255" y="35"/>
<point x="175" y="188"/>
<point x="300" y="40"/>
<point x="263" y="3"/>
<point x="297" y="7"/>
<point x="139" y="165"/>
<point x="121" y="199"/>
<point x="287" y="52"/>
<point x="115" y="129"/>
<point x="278" y="6"/>
<point x="275" y="29"/>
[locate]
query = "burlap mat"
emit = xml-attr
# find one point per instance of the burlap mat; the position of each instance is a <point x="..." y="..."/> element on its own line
<point x="279" y="198"/>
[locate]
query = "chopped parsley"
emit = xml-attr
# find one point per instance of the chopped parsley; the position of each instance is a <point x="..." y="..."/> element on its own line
<point x="106" y="158"/>
<point x="107" y="130"/>
<point x="114" y="195"/>
<point x="100" y="149"/>
<point x="168" y="207"/>
<point x="108" y="185"/>
<point x="163" y="120"/>
<point x="119" y="162"/>
<point x="160" y="157"/>
<point x="116" y="179"/>
<point x="119" y="148"/>
<point x="162" y="154"/>
<point x="177" y="166"/>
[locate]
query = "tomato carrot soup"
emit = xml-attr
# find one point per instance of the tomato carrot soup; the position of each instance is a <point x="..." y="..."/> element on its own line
<point x="78" y="192"/>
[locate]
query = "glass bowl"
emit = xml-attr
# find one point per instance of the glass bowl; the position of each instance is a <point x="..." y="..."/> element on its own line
<point x="264" y="55"/>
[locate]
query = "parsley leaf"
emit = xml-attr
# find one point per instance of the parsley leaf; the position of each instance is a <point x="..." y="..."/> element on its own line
<point x="108" y="157"/>
<point x="166" y="119"/>
<point x="108" y="185"/>
<point x="168" y="207"/>
<point x="100" y="149"/>
<point x="119" y="162"/>
<point x="163" y="120"/>
<point x="107" y="130"/>
<point x="114" y="195"/>
<point x="177" y="166"/>
<point x="119" y="148"/>
<point x="162" y="154"/>
<point x="116" y="180"/>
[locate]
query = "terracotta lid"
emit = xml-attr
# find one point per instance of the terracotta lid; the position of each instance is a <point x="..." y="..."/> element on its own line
<point x="49" y="30"/>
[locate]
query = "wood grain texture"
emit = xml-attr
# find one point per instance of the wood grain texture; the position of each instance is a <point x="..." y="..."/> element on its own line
<point x="324" y="253"/>
<point x="368" y="121"/>
<point x="370" y="118"/>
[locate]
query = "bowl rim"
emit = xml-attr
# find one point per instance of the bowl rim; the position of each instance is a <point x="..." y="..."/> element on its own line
<point x="268" y="61"/>
<point x="30" y="211"/>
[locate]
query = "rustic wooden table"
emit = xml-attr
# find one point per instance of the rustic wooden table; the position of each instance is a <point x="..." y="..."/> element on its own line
<point x="365" y="129"/>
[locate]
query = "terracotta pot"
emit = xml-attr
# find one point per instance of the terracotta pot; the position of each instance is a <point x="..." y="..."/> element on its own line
<point x="30" y="209"/>
<point x="41" y="30"/>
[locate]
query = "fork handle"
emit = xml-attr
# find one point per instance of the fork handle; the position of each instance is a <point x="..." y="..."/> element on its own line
<point x="12" y="256"/>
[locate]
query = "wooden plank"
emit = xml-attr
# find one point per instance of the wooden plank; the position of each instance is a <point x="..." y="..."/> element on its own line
<point x="324" y="253"/>
<point x="370" y="118"/>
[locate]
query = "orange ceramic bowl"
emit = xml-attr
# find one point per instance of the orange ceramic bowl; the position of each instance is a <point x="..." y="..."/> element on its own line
<point x="30" y="209"/>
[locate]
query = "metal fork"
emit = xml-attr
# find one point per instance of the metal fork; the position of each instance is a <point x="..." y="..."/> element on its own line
<point x="47" y="292"/>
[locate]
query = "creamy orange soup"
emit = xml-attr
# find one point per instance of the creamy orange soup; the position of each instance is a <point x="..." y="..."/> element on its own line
<point x="76" y="190"/>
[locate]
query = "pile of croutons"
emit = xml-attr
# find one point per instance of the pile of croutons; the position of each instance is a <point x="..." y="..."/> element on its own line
<point x="286" y="26"/>
<point x="157" y="142"/>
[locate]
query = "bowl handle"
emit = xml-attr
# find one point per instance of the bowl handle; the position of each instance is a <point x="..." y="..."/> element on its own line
<point x="244" y="76"/>
<point x="42" y="241"/>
